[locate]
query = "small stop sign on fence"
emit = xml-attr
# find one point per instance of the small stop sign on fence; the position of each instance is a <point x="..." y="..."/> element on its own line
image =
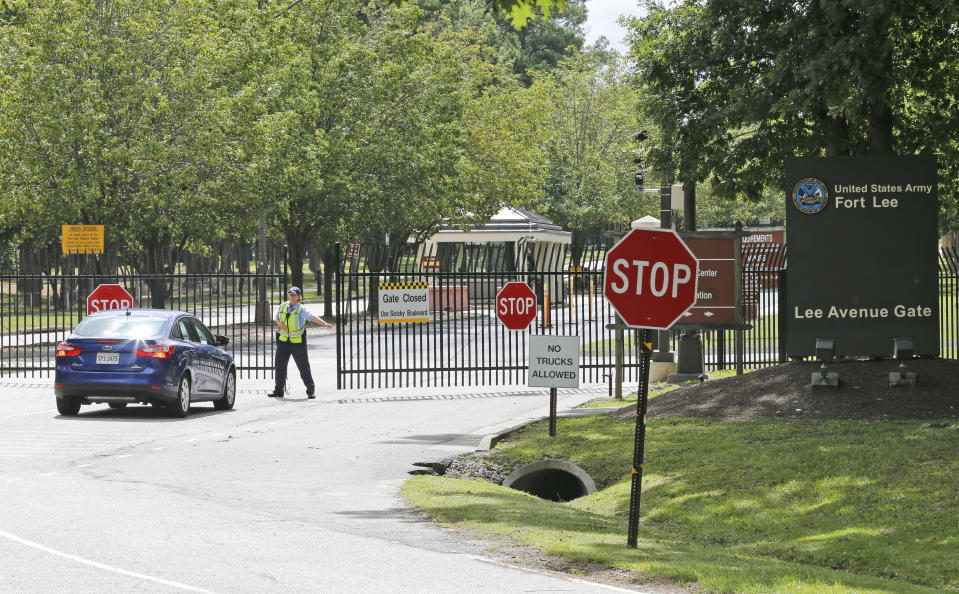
<point x="516" y="305"/>
<point x="106" y="297"/>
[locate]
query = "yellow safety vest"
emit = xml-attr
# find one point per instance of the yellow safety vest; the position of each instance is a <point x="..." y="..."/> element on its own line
<point x="294" y="330"/>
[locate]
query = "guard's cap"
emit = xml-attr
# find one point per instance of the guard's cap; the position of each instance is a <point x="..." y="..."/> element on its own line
<point x="295" y="291"/>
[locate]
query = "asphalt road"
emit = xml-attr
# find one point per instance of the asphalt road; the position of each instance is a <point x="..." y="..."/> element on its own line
<point x="288" y="495"/>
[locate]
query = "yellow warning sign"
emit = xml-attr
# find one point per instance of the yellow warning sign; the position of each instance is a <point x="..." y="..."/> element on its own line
<point x="409" y="285"/>
<point x="82" y="239"/>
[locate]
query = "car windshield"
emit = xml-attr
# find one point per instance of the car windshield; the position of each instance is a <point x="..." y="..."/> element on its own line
<point x="120" y="327"/>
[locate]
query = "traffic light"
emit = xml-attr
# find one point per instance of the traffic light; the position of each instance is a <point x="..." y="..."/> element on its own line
<point x="639" y="179"/>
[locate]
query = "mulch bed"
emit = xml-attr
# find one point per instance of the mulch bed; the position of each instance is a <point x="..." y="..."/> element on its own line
<point x="784" y="391"/>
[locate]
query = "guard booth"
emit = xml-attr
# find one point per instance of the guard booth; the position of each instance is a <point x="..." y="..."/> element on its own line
<point x="514" y="241"/>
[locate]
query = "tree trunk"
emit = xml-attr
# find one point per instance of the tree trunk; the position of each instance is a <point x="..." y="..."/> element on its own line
<point x="153" y="269"/>
<point x="30" y="265"/>
<point x="375" y="258"/>
<point x="315" y="265"/>
<point x="296" y="250"/>
<point x="329" y="267"/>
<point x="880" y="112"/>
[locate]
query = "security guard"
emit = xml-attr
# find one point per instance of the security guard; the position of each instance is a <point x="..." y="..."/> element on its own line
<point x="292" y="319"/>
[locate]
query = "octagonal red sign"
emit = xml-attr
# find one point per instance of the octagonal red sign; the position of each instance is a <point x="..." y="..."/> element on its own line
<point x="106" y="297"/>
<point x="516" y="305"/>
<point x="650" y="278"/>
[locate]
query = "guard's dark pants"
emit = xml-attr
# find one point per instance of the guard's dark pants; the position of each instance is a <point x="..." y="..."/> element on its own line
<point x="283" y="351"/>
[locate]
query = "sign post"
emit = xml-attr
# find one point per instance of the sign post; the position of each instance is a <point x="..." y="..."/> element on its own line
<point x="650" y="281"/>
<point x="108" y="296"/>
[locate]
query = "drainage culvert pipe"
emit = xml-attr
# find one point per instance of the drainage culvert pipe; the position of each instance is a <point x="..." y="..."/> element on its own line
<point x="554" y="480"/>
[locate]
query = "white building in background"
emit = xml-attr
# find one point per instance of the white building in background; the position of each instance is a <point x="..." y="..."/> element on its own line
<point x="513" y="241"/>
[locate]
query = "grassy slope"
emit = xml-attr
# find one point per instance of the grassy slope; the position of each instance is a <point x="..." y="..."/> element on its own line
<point x="736" y="507"/>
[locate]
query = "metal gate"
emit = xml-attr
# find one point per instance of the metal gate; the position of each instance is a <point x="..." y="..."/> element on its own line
<point x="464" y="343"/>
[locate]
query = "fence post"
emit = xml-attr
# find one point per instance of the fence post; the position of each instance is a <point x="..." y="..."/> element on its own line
<point x="783" y="309"/>
<point x="721" y="349"/>
<point x="592" y="282"/>
<point x="339" y="319"/>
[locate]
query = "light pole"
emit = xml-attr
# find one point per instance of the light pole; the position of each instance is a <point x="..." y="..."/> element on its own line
<point x="689" y="359"/>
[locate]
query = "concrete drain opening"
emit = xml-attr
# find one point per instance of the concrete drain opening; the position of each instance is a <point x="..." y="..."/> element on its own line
<point x="554" y="480"/>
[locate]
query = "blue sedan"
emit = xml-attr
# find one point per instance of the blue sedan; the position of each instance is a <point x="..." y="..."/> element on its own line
<point x="151" y="356"/>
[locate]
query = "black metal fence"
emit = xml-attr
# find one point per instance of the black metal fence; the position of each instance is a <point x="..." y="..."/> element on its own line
<point x="464" y="344"/>
<point x="37" y="311"/>
<point x="948" y="303"/>
<point x="764" y="265"/>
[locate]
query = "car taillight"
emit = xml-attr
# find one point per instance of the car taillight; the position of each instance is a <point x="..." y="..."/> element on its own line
<point x="160" y="351"/>
<point x="67" y="350"/>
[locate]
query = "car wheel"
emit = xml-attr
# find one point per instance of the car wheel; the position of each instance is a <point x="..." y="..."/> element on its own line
<point x="181" y="406"/>
<point x="226" y="401"/>
<point x="68" y="407"/>
<point x="117" y="404"/>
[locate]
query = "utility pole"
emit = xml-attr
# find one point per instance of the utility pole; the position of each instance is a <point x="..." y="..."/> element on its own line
<point x="689" y="359"/>
<point x="662" y="354"/>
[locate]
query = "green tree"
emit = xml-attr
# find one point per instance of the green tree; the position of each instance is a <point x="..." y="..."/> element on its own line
<point x="519" y="12"/>
<point x="592" y="116"/>
<point x="114" y="114"/>
<point x="738" y="86"/>
<point x="527" y="46"/>
<point x="365" y="129"/>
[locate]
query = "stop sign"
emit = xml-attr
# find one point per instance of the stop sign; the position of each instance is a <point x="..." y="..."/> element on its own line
<point x="106" y="297"/>
<point x="650" y="278"/>
<point x="516" y="305"/>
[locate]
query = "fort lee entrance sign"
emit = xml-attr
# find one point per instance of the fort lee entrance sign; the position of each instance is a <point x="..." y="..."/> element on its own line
<point x="863" y="267"/>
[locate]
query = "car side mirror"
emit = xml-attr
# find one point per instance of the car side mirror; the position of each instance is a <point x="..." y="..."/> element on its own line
<point x="220" y="340"/>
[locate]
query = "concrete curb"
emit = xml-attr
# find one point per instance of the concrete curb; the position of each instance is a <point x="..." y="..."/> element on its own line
<point x="489" y="441"/>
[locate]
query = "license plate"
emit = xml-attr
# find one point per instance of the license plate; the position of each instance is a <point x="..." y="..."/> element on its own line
<point x="108" y="358"/>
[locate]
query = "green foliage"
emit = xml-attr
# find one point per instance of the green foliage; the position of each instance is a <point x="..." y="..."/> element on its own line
<point x="537" y="45"/>
<point x="592" y="115"/>
<point x="372" y="127"/>
<point x="738" y="86"/>
<point x="521" y="12"/>
<point x="715" y="209"/>
<point x="114" y="114"/>
<point x="178" y="123"/>
<point x="762" y="506"/>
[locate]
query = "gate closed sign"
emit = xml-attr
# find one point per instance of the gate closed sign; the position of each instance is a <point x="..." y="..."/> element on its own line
<point x="401" y="303"/>
<point x="553" y="361"/>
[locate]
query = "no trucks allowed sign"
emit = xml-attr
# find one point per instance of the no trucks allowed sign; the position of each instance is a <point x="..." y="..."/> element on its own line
<point x="553" y="361"/>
